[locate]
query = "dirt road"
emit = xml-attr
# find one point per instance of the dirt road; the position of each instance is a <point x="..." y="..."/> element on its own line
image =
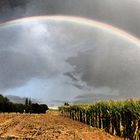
<point x="50" y="126"/>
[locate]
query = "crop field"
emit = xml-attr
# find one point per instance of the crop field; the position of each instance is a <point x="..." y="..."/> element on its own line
<point x="49" y="126"/>
<point x="120" y="118"/>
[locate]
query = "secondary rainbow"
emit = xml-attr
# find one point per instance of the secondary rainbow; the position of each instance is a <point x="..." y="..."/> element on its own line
<point x="79" y="20"/>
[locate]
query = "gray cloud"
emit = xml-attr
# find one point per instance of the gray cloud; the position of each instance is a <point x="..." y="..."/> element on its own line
<point x="91" y="98"/>
<point x="69" y="59"/>
<point x="116" y="66"/>
<point x="37" y="51"/>
<point x="124" y="14"/>
<point x="17" y="99"/>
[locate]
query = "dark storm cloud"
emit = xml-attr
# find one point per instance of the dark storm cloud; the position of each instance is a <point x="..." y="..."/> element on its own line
<point x="90" y="98"/>
<point x="10" y="9"/>
<point x="36" y="50"/>
<point x="124" y="14"/>
<point x="71" y="76"/>
<point x="115" y="66"/>
<point x="86" y="60"/>
<point x="82" y="60"/>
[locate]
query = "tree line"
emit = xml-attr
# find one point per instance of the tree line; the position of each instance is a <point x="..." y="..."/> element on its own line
<point x="7" y="106"/>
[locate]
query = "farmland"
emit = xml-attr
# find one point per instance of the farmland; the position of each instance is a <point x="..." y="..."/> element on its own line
<point x="120" y="118"/>
<point x="49" y="126"/>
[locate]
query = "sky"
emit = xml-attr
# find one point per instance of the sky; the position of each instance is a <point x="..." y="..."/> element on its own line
<point x="57" y="61"/>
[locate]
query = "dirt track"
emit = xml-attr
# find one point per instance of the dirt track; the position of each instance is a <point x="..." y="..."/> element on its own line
<point x="50" y="126"/>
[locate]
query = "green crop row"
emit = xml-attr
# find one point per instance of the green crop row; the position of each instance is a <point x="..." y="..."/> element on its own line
<point x="121" y="118"/>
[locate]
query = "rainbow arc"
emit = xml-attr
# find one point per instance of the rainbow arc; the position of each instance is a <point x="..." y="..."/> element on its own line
<point x="82" y="21"/>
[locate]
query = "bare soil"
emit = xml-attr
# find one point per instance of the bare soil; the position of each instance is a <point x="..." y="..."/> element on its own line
<point x="50" y="126"/>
